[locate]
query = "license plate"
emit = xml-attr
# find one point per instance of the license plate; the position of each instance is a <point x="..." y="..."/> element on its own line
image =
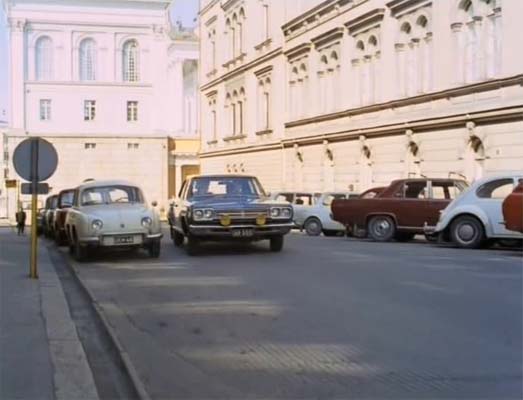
<point x="243" y="233"/>
<point x="123" y="240"/>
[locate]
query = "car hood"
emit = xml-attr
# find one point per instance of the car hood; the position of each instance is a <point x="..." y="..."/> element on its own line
<point x="120" y="217"/>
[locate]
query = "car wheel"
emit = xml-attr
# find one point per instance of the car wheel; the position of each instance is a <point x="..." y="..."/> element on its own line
<point x="178" y="239"/>
<point x="381" y="228"/>
<point x="313" y="227"/>
<point x="193" y="246"/>
<point x="154" y="249"/>
<point x="467" y="232"/>
<point x="404" y="236"/>
<point x="277" y="243"/>
<point x="80" y="252"/>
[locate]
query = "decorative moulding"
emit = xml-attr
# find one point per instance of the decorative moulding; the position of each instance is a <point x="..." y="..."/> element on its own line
<point x="327" y="38"/>
<point x="263" y="71"/>
<point x="298" y="50"/>
<point x="264" y="132"/>
<point x="401" y="7"/>
<point x="211" y="20"/>
<point x="234" y="137"/>
<point x="228" y="4"/>
<point x="366" y="21"/>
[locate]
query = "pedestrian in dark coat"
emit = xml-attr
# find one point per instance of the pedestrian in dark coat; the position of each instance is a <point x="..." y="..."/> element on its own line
<point x="21" y="216"/>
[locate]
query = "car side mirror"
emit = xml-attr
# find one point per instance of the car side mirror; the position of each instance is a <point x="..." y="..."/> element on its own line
<point x="154" y="203"/>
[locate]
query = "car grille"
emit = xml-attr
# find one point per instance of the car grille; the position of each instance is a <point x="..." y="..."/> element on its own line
<point x="242" y="215"/>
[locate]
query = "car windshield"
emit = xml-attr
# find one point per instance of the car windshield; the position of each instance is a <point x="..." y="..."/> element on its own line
<point x="111" y="195"/>
<point x="66" y="199"/>
<point x="225" y="186"/>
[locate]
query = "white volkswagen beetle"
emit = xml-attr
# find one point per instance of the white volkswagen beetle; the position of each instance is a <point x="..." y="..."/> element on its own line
<point x="111" y="214"/>
<point x="476" y="217"/>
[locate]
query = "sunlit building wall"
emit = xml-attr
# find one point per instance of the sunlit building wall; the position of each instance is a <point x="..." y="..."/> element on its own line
<point x="350" y="94"/>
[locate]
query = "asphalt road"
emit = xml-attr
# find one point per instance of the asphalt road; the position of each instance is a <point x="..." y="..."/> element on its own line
<point x="327" y="318"/>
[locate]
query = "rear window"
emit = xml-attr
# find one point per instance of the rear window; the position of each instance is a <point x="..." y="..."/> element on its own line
<point x="498" y="189"/>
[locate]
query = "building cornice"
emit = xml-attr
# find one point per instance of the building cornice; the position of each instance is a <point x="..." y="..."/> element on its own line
<point x="246" y="149"/>
<point x="504" y="114"/>
<point x="228" y="4"/>
<point x="81" y="136"/>
<point x="328" y="37"/>
<point x="89" y="84"/>
<point x="211" y="20"/>
<point x="318" y="15"/>
<point x="242" y="69"/>
<point x="263" y="71"/>
<point x="400" y="7"/>
<point x="297" y="51"/>
<point x="425" y="98"/>
<point x="207" y="7"/>
<point x="366" y="21"/>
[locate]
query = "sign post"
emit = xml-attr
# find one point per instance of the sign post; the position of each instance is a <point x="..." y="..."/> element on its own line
<point x="35" y="160"/>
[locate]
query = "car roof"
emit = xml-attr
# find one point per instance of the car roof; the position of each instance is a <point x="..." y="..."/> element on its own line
<point x="101" y="183"/>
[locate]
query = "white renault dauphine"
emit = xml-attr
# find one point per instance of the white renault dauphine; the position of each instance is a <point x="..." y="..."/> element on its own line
<point x="111" y="214"/>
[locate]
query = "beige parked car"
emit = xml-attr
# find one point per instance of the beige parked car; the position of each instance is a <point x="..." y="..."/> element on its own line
<point x="111" y="214"/>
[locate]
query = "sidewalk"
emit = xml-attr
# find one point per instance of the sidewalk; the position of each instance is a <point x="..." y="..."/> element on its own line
<point x="41" y="356"/>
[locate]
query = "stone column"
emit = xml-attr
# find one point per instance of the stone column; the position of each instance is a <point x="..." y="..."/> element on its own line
<point x="18" y="73"/>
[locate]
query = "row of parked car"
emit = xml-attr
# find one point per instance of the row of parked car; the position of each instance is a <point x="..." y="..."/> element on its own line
<point x="235" y="207"/>
<point x="446" y="210"/>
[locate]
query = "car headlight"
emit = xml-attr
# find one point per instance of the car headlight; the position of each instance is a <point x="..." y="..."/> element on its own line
<point x="203" y="214"/>
<point x="275" y="212"/>
<point x="97" y="224"/>
<point x="147" y="222"/>
<point x="281" y="212"/>
<point x="286" y="213"/>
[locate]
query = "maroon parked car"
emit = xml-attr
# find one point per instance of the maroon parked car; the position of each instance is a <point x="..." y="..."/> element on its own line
<point x="400" y="211"/>
<point x="65" y="202"/>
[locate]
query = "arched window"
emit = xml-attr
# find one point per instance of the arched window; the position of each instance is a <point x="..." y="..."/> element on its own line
<point x="44" y="59"/>
<point x="477" y="40"/>
<point x="131" y="61"/>
<point x="87" y="60"/>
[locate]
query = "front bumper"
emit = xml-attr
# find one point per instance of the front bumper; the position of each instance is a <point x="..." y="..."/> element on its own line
<point x="107" y="240"/>
<point x="259" y="231"/>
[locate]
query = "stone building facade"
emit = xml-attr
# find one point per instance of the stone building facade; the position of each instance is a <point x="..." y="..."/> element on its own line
<point x="350" y="94"/>
<point x="112" y="84"/>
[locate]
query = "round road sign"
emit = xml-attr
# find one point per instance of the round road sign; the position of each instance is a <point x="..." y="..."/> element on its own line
<point x="39" y="151"/>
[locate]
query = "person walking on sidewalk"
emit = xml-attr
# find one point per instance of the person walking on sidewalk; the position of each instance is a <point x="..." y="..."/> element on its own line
<point x="21" y="216"/>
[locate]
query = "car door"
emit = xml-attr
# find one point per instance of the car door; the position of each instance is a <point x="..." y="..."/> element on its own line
<point x="411" y="209"/>
<point x="441" y="194"/>
<point x="302" y="204"/>
<point x="490" y="198"/>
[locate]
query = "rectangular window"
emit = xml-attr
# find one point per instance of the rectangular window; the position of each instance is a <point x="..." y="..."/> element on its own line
<point x="88" y="146"/>
<point x="240" y="117"/>
<point x="133" y="146"/>
<point x="132" y="111"/>
<point x="214" y="132"/>
<point x="45" y="110"/>
<point x="89" y="110"/>
<point x="267" y="108"/>
<point x="265" y="22"/>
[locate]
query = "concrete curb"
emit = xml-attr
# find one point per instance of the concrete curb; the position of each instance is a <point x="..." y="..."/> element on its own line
<point x="73" y="378"/>
<point x="124" y="356"/>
